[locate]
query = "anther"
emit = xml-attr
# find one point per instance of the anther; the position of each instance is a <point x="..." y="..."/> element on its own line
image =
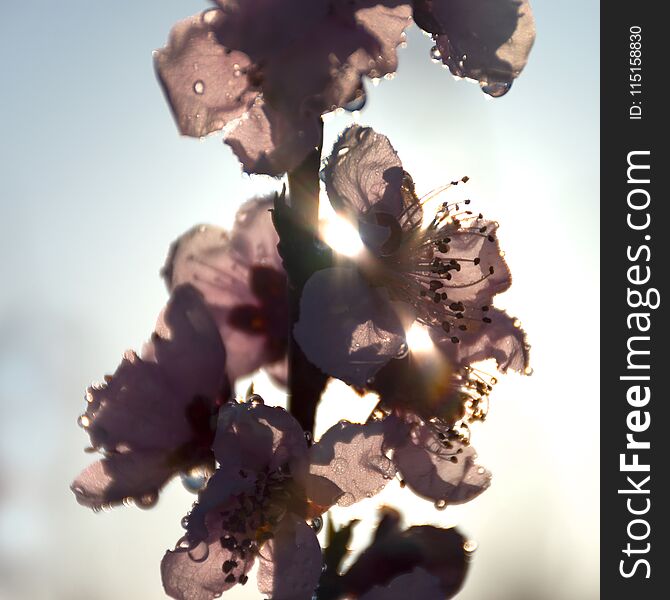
<point x="229" y="565"/>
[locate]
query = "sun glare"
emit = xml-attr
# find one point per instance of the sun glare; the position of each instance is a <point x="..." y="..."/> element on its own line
<point x="418" y="339"/>
<point x="341" y="235"/>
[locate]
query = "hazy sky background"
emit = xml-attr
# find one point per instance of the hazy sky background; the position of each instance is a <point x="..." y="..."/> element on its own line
<point x="95" y="183"/>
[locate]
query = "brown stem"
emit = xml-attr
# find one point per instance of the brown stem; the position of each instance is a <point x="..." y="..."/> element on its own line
<point x="305" y="381"/>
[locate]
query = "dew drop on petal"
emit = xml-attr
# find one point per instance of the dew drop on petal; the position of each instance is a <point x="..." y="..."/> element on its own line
<point x="495" y="89"/>
<point x="382" y="465"/>
<point x="470" y="546"/>
<point x="196" y="478"/>
<point x="199" y="87"/>
<point x="343" y="151"/>
<point x="255" y="400"/>
<point x="199" y="553"/>
<point x="528" y="371"/>
<point x="316" y="524"/>
<point x="84" y="421"/>
<point x="339" y="465"/>
<point x="184" y="522"/>
<point x="435" y="54"/>
<point x="147" y="500"/>
<point x="403" y="351"/>
<point x="441" y="504"/>
<point x="357" y="103"/>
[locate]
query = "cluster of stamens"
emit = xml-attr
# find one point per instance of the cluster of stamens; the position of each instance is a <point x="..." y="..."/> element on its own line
<point x="251" y="522"/>
<point x="427" y="272"/>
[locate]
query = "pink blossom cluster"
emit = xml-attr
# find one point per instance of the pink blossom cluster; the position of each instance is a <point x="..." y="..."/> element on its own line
<point x="264" y="72"/>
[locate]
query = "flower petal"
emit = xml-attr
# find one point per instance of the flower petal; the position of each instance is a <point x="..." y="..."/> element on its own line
<point x="487" y="40"/>
<point x="440" y="470"/>
<point x="133" y="475"/>
<point x="364" y="173"/>
<point x="290" y="562"/>
<point x="227" y="482"/>
<point x="353" y="457"/>
<point x="482" y="271"/>
<point x="501" y="339"/>
<point x="252" y="318"/>
<point x="346" y="328"/>
<point x="421" y="582"/>
<point x="258" y="437"/>
<point x="270" y="142"/>
<point x="205" y="83"/>
<point x="187" y="345"/>
<point x="151" y="404"/>
<point x="409" y="556"/>
<point x="195" y="572"/>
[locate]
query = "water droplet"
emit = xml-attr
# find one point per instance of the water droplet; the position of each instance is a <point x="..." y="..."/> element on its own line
<point x="403" y="351"/>
<point x="184" y="522"/>
<point x="383" y="465"/>
<point x="481" y="470"/>
<point x="370" y="381"/>
<point x="495" y="89"/>
<point x="517" y="323"/>
<point x="210" y="15"/>
<point x="441" y="504"/>
<point x="357" y="103"/>
<point x="199" y="87"/>
<point x="196" y="478"/>
<point x="317" y="524"/>
<point x="389" y="76"/>
<point x="528" y="371"/>
<point x="199" y="553"/>
<point x="343" y="151"/>
<point x="255" y="400"/>
<point x="435" y="54"/>
<point x="470" y="546"/>
<point x="84" y="421"/>
<point x="147" y="500"/>
<point x="339" y="465"/>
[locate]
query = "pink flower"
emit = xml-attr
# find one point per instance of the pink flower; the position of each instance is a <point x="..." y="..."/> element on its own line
<point x="152" y="418"/>
<point x="486" y="40"/>
<point x="444" y="276"/>
<point x="429" y="561"/>
<point x="434" y="460"/>
<point x="267" y="69"/>
<point x="244" y="285"/>
<point x="256" y="505"/>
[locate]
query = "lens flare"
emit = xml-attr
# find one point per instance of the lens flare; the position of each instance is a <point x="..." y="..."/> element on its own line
<point x="418" y="339"/>
<point x="341" y="235"/>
